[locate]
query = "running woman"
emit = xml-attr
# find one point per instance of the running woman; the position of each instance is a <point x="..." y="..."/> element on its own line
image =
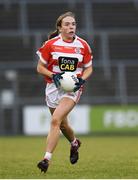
<point x="64" y="51"/>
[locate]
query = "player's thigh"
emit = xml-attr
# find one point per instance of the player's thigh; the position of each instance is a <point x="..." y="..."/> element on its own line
<point x="64" y="123"/>
<point x="65" y="106"/>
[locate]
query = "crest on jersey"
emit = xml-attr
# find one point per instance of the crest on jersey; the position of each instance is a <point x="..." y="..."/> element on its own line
<point x="77" y="50"/>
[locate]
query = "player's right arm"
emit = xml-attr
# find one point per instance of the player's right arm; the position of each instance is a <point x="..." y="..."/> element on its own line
<point x="41" y="69"/>
<point x="44" y="54"/>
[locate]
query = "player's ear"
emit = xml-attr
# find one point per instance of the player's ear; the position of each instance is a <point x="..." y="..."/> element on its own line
<point x="59" y="29"/>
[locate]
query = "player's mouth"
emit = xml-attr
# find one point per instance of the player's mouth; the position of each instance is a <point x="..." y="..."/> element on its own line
<point x="71" y="32"/>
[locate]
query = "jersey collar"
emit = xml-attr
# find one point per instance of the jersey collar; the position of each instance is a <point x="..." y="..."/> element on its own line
<point x="75" y="37"/>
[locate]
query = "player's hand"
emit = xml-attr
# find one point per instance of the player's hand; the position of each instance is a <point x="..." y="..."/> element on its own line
<point x="56" y="78"/>
<point x="79" y="84"/>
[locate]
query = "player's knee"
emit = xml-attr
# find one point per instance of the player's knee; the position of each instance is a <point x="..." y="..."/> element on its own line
<point x="55" y="122"/>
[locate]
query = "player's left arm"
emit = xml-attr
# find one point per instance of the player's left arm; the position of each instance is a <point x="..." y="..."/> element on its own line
<point x="87" y="72"/>
<point x="88" y="57"/>
<point x="87" y="68"/>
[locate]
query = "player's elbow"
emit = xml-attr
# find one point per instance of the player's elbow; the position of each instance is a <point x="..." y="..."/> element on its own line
<point x="38" y="69"/>
<point x="90" y="70"/>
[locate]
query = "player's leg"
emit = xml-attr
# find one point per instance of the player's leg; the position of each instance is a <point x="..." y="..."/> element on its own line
<point x="67" y="130"/>
<point x="65" y="127"/>
<point x="69" y="134"/>
<point x="64" y="107"/>
<point x="62" y="110"/>
<point x="75" y="143"/>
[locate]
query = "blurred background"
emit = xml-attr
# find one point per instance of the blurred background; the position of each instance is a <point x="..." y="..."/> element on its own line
<point x="110" y="100"/>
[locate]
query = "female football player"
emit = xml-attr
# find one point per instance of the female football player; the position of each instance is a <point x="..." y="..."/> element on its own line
<point x="64" y="51"/>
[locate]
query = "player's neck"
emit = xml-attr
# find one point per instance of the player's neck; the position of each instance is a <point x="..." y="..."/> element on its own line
<point x="68" y="39"/>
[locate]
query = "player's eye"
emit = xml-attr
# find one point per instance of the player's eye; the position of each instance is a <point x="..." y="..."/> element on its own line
<point x="74" y="23"/>
<point x="67" y="24"/>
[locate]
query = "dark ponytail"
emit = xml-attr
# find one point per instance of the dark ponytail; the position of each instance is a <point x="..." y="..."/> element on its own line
<point x="53" y="34"/>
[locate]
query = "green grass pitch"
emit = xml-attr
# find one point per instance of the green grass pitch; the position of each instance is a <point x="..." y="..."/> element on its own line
<point x="100" y="158"/>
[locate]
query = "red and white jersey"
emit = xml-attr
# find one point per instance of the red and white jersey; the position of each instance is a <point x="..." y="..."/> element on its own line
<point x="60" y="56"/>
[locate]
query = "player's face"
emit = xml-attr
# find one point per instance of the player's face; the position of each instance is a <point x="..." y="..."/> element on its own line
<point x="68" y="28"/>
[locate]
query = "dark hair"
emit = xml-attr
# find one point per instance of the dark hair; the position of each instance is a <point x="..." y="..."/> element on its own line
<point x="59" y="22"/>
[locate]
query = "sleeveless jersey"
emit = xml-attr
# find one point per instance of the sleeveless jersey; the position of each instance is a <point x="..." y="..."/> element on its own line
<point x="60" y="56"/>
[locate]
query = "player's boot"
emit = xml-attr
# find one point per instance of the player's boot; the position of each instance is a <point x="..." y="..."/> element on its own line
<point x="43" y="165"/>
<point x="74" y="154"/>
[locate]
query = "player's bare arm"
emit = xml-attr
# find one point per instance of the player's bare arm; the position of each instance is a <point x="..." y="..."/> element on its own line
<point x="87" y="72"/>
<point x="41" y="68"/>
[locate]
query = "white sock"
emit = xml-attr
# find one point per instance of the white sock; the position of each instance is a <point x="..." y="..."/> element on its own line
<point x="48" y="156"/>
<point x="73" y="143"/>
